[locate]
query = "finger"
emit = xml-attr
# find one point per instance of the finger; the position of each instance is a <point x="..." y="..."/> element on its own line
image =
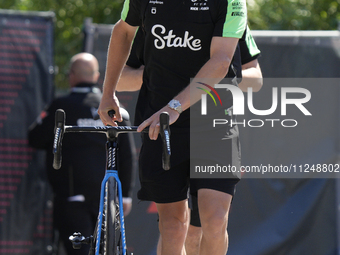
<point x="154" y="130"/>
<point x="112" y="124"/>
<point x="112" y="121"/>
<point x="105" y="118"/>
<point x="114" y="113"/>
<point x="118" y="115"/>
<point x="143" y="125"/>
<point x="151" y="128"/>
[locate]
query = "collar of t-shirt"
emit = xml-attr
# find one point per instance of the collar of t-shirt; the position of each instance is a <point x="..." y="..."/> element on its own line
<point x="85" y="88"/>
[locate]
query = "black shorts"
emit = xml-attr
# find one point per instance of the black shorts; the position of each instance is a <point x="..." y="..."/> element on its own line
<point x="170" y="186"/>
<point x="157" y="184"/>
<point x="194" y="212"/>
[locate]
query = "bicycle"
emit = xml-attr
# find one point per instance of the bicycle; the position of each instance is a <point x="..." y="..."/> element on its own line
<point x="109" y="235"/>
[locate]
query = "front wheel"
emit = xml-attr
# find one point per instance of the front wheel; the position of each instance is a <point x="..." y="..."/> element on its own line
<point x="112" y="238"/>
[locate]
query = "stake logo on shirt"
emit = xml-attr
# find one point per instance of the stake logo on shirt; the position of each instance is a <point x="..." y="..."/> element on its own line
<point x="169" y="39"/>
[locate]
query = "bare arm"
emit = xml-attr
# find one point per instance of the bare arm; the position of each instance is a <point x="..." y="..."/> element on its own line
<point x="251" y="76"/>
<point x="118" y="52"/>
<point x="222" y="52"/>
<point x="131" y="79"/>
<point x="214" y="70"/>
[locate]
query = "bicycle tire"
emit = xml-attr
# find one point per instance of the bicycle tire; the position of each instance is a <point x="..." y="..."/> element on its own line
<point x="112" y="238"/>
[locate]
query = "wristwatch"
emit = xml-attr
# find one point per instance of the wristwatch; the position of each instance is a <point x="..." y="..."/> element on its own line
<point x="175" y="105"/>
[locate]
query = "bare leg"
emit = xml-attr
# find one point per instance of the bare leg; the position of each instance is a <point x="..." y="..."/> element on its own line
<point x="214" y="210"/>
<point x="193" y="240"/>
<point x="159" y="245"/>
<point x="173" y="226"/>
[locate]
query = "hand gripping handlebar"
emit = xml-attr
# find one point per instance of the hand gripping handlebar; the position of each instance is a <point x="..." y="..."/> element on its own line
<point x="60" y="129"/>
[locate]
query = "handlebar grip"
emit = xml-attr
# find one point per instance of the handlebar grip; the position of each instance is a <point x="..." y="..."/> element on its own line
<point x="165" y="135"/>
<point x="124" y="113"/>
<point x="59" y="129"/>
<point x="111" y="113"/>
<point x="57" y="160"/>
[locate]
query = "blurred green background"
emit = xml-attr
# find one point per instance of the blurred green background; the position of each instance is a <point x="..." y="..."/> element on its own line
<point x="262" y="15"/>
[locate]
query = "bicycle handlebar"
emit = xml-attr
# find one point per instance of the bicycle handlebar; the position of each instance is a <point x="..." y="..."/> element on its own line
<point x="59" y="130"/>
<point x="165" y="135"/>
<point x="110" y="131"/>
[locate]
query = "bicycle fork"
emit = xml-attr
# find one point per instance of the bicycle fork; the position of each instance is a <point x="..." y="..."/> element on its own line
<point x="111" y="172"/>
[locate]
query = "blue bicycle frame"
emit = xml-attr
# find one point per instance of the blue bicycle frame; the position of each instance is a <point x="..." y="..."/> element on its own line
<point x="111" y="165"/>
<point x="111" y="173"/>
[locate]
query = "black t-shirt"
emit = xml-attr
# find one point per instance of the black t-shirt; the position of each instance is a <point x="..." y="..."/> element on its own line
<point x="178" y="36"/>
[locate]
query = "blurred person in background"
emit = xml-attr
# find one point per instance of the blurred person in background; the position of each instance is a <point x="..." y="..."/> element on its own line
<point x="76" y="185"/>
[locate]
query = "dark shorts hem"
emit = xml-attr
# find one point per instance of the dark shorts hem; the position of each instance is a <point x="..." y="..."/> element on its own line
<point x="224" y="185"/>
<point x="145" y="197"/>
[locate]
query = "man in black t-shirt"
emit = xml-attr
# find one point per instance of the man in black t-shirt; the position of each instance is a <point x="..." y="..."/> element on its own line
<point x="76" y="185"/>
<point x="183" y="40"/>
<point x="131" y="80"/>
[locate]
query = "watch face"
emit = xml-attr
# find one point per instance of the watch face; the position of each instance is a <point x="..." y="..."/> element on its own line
<point x="174" y="103"/>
